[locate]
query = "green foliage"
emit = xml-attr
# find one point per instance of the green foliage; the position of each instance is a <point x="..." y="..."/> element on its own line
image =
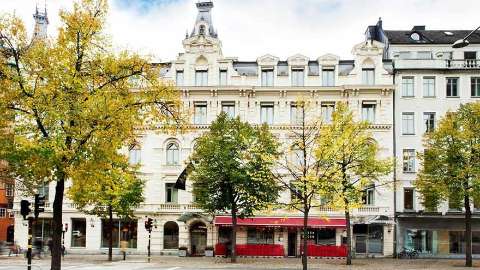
<point x="451" y="160"/>
<point x="233" y="167"/>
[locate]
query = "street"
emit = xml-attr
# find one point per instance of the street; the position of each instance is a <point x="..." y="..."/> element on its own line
<point x="96" y="262"/>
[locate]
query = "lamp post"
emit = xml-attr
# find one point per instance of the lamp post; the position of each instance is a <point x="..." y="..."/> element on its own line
<point x="464" y="41"/>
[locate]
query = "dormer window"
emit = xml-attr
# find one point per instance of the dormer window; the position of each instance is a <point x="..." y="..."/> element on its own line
<point x="201" y="30"/>
<point x="415" y="36"/>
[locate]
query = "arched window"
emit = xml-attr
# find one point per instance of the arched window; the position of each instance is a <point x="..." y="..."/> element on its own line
<point x="172" y="154"/>
<point x="170" y="235"/>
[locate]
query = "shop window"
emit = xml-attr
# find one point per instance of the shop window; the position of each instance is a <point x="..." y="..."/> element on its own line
<point x="224" y="235"/>
<point x="43" y="230"/>
<point x="423" y="241"/>
<point x="170" y="235"/>
<point x="121" y="231"/>
<point x="260" y="236"/>
<point x="326" y="237"/>
<point x="79" y="228"/>
<point x="456" y="242"/>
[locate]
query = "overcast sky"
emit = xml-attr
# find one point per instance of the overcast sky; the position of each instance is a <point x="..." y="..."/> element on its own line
<point x="251" y="28"/>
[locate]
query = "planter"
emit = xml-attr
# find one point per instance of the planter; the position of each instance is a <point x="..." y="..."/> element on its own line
<point x="209" y="253"/>
<point x="182" y="253"/>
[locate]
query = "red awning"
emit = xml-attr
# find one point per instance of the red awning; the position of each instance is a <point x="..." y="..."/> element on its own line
<point x="282" y="222"/>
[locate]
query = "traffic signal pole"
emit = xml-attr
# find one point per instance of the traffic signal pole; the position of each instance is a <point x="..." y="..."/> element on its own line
<point x="29" y="250"/>
<point x="149" y="241"/>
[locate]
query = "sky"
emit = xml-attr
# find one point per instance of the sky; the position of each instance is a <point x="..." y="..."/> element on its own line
<point x="249" y="29"/>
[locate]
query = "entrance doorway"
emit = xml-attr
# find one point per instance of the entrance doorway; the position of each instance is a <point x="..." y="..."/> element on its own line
<point x="361" y="244"/>
<point x="198" y="238"/>
<point x="10" y="234"/>
<point x="292" y="244"/>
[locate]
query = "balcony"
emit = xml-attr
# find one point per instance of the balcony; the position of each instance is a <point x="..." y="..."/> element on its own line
<point x="437" y="64"/>
<point x="362" y="211"/>
<point x="168" y="208"/>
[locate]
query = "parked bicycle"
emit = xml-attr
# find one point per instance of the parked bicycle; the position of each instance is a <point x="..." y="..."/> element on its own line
<point x="408" y="253"/>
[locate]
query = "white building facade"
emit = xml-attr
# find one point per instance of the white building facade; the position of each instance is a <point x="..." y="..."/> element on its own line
<point x="257" y="91"/>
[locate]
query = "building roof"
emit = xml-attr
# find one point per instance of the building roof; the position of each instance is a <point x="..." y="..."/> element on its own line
<point x="430" y="36"/>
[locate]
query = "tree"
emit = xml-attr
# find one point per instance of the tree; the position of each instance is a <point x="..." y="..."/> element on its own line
<point x="66" y="96"/>
<point x="350" y="150"/>
<point x="106" y="184"/>
<point x="451" y="165"/>
<point x="299" y="172"/>
<point x="233" y="170"/>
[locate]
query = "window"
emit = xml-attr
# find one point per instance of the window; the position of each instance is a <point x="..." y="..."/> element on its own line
<point x="327" y="111"/>
<point x="328" y="77"/>
<point x="43" y="230"/>
<point x="368" y="76"/>
<point x="296" y="114"/>
<point x="424" y="55"/>
<point x="3" y="212"/>
<point x="298" y="158"/>
<point x="369" y="195"/>
<point x="201" y="77"/>
<point x="170" y="235"/>
<point x="260" y="236"/>
<point x="407" y="87"/>
<point x="470" y="55"/>
<point x="267" y="77"/>
<point x="423" y="241"/>
<point x="404" y="55"/>
<point x="9" y="190"/>
<point x="179" y="77"/>
<point x="475" y="87"/>
<point x="222" y="80"/>
<point x="79" y="229"/>
<point x="134" y="155"/>
<point x="457" y="242"/>
<point x="201" y="30"/>
<point x="325" y="237"/>
<point x="121" y="231"/>
<point x="408" y="160"/>
<point x="200" y="113"/>
<point x="452" y="87"/>
<point x="429" y="121"/>
<point x="428" y="86"/>
<point x="228" y="107"/>
<point x="266" y="113"/>
<point x="408" y="198"/>
<point x="293" y="192"/>
<point x="408" y="123"/>
<point x="297" y="77"/>
<point x="44" y="190"/>
<point x="368" y="111"/>
<point x="171" y="193"/>
<point x="172" y="154"/>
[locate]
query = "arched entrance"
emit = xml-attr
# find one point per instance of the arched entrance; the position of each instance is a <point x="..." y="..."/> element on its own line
<point x="170" y="235"/>
<point x="198" y="238"/>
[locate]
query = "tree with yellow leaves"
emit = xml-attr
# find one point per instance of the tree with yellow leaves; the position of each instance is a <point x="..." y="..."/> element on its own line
<point x="347" y="147"/>
<point x="65" y="97"/>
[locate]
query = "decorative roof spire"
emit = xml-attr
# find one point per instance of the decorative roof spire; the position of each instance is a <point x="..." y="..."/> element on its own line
<point x="203" y="24"/>
<point x="41" y="23"/>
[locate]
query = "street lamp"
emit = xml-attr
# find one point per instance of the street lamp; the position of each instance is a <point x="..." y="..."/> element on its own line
<point x="464" y="41"/>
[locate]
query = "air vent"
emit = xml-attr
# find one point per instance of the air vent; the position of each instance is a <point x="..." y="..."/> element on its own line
<point x="448" y="33"/>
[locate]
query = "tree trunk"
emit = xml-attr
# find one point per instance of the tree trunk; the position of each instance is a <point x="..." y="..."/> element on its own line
<point x="110" y="233"/>
<point x="304" y="241"/>
<point x="56" y="262"/>
<point x="468" y="232"/>
<point x="234" y="235"/>
<point x="349" y="237"/>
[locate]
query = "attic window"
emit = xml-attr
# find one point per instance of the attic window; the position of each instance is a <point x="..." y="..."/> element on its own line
<point x="415" y="36"/>
<point x="202" y="30"/>
<point x="448" y="33"/>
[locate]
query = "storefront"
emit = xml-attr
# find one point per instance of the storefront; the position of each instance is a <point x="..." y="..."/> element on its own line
<point x="281" y="236"/>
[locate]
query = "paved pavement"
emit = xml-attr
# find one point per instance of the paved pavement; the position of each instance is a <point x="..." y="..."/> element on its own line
<point x="96" y="262"/>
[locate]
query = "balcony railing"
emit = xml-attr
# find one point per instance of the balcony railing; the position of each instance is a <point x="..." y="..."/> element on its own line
<point x="437" y="64"/>
<point x="365" y="210"/>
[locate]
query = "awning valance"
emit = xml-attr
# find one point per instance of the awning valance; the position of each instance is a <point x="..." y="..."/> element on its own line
<point x="314" y="222"/>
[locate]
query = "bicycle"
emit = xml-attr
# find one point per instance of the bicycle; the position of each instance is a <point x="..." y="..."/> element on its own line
<point x="407" y="253"/>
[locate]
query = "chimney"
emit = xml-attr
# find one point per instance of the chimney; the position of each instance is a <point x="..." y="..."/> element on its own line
<point x="418" y="28"/>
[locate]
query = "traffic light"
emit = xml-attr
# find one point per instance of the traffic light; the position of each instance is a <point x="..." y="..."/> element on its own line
<point x="148" y="224"/>
<point x="39" y="205"/>
<point x="25" y="208"/>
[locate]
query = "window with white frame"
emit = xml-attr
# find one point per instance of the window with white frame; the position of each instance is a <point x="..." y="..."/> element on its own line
<point x="200" y="113"/>
<point x="134" y="155"/>
<point x="424" y="55"/>
<point x="328" y="76"/>
<point x="327" y="109"/>
<point x="173" y="153"/>
<point x="267" y="77"/>
<point x="201" y="77"/>
<point x="297" y="77"/>
<point x="368" y="76"/>
<point x="368" y="111"/>
<point x="171" y="193"/>
<point x="296" y="114"/>
<point x="452" y="87"/>
<point x="222" y="80"/>
<point x="475" y="86"/>
<point x="3" y="212"/>
<point x="9" y="190"/>
<point x="408" y="123"/>
<point x="407" y="87"/>
<point x="44" y="190"/>
<point x="266" y="113"/>
<point x="228" y="107"/>
<point x="428" y="86"/>
<point x="429" y="121"/>
<point x="408" y="160"/>
<point x="369" y="195"/>
<point x="179" y="78"/>
<point x="404" y="55"/>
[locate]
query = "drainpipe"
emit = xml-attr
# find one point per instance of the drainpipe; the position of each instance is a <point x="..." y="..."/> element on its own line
<point x="394" y="167"/>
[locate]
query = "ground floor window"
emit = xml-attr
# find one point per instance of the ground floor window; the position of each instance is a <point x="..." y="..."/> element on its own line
<point x="260" y="236"/>
<point x="321" y="236"/>
<point x="43" y="230"/>
<point x="224" y="235"/>
<point x="457" y="242"/>
<point x="121" y="231"/>
<point x="368" y="238"/>
<point x="423" y="241"/>
<point x="79" y="228"/>
<point x="170" y="235"/>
